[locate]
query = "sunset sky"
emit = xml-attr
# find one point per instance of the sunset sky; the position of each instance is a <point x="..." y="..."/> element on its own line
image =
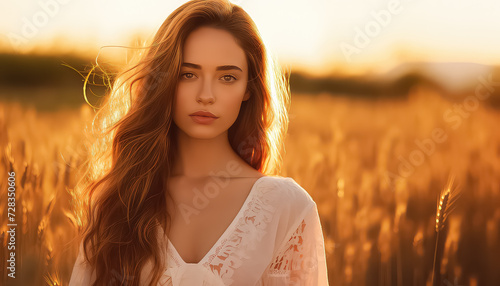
<point x="317" y="35"/>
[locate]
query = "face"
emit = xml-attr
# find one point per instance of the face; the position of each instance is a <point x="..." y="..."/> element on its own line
<point x="213" y="78"/>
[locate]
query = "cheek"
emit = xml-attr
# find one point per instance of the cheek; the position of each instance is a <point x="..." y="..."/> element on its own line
<point x="181" y="104"/>
<point x="235" y="91"/>
<point x="183" y="94"/>
<point x="232" y="97"/>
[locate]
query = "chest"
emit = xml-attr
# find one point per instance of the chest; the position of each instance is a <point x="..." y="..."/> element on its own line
<point x="202" y="213"/>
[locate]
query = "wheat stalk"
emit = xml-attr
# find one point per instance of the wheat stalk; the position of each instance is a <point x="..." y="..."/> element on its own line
<point x="52" y="279"/>
<point x="446" y="205"/>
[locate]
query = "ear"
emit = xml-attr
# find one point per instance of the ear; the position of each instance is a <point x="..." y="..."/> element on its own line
<point x="247" y="96"/>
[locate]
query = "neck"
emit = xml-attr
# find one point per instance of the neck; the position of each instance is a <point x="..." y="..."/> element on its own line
<point x="202" y="158"/>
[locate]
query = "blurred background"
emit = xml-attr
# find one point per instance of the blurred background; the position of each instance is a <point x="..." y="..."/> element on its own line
<point x="395" y="106"/>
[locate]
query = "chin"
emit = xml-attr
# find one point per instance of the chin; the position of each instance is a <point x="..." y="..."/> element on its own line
<point x="202" y="134"/>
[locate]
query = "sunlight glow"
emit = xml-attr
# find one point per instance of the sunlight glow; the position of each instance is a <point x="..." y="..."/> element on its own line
<point x="309" y="36"/>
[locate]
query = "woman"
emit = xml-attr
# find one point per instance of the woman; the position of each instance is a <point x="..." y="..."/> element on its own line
<point x="190" y="194"/>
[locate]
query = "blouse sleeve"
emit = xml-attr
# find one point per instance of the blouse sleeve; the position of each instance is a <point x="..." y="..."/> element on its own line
<point x="301" y="260"/>
<point x="82" y="274"/>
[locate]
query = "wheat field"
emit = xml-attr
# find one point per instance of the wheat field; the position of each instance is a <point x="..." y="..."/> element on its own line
<point x="376" y="188"/>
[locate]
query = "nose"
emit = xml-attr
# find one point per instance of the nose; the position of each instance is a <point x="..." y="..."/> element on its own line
<point x="206" y="95"/>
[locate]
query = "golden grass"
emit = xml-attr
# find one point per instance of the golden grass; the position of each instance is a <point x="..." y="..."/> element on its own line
<point x="379" y="228"/>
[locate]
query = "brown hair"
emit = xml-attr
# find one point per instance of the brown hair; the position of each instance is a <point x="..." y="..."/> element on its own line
<point x="135" y="140"/>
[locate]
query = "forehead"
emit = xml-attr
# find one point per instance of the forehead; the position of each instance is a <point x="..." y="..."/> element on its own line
<point x="211" y="47"/>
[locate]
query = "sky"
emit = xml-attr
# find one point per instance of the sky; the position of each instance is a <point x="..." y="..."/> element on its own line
<point x="319" y="36"/>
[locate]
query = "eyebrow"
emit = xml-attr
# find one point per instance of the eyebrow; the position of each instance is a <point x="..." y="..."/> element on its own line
<point x="219" y="68"/>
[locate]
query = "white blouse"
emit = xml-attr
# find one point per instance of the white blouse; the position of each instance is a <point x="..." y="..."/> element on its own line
<point x="275" y="239"/>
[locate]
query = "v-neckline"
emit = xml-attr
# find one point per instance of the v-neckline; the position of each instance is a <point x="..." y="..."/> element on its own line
<point x="226" y="231"/>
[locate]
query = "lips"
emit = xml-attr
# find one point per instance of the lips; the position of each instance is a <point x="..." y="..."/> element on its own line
<point x="203" y="114"/>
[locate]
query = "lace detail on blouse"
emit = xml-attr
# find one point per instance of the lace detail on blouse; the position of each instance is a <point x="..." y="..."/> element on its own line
<point x="249" y="230"/>
<point x="300" y="260"/>
<point x="275" y="240"/>
<point x="290" y="257"/>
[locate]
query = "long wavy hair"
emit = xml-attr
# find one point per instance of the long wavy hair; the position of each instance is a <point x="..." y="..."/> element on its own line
<point x="134" y="140"/>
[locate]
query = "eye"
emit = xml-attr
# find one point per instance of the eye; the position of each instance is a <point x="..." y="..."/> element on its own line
<point x="187" y="75"/>
<point x="228" y="77"/>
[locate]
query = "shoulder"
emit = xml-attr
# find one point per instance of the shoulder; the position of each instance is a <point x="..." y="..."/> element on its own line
<point x="287" y="192"/>
<point x="290" y="202"/>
